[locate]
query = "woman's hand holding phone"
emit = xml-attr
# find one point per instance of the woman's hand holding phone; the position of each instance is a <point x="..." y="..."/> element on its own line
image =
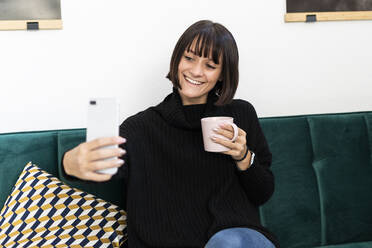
<point x="84" y="160"/>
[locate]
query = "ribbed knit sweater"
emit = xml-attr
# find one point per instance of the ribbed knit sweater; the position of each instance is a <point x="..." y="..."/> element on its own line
<point x="179" y="195"/>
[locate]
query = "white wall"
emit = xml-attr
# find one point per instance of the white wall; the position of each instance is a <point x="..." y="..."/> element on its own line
<point x="122" y="49"/>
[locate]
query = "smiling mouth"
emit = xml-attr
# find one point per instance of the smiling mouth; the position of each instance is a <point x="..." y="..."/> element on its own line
<point x="192" y="81"/>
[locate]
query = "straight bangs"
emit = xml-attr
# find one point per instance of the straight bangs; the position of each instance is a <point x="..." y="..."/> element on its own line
<point x="206" y="45"/>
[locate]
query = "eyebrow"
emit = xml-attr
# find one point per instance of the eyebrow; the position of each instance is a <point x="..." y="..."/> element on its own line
<point x="193" y="52"/>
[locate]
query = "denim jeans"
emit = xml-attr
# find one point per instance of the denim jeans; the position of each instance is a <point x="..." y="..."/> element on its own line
<point x="239" y="237"/>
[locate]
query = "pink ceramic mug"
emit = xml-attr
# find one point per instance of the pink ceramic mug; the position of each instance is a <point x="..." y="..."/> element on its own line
<point x="208" y="124"/>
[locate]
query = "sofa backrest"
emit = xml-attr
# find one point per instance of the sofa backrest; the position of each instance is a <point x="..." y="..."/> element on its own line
<point x="323" y="179"/>
<point x="17" y="149"/>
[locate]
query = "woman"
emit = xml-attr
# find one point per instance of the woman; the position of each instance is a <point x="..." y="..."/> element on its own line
<point x="179" y="195"/>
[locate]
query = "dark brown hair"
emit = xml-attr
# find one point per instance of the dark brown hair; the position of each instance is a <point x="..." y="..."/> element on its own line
<point x="211" y="39"/>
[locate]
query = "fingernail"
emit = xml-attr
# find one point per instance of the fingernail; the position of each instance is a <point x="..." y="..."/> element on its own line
<point x="121" y="139"/>
<point x="215" y="129"/>
<point x="122" y="151"/>
<point x="120" y="161"/>
<point x="222" y="125"/>
<point x="213" y="137"/>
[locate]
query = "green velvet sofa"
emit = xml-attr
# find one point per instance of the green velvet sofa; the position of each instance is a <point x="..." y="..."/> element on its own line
<point x="322" y="166"/>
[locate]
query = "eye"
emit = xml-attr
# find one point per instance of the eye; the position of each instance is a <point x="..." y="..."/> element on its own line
<point x="187" y="57"/>
<point x="211" y="66"/>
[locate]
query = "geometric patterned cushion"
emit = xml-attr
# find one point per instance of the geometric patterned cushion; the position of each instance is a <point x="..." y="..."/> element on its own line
<point x="41" y="211"/>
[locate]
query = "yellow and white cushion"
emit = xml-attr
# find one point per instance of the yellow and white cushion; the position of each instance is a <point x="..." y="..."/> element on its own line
<point x="41" y="211"/>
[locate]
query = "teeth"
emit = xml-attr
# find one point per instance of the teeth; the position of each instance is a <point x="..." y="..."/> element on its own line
<point x="193" y="81"/>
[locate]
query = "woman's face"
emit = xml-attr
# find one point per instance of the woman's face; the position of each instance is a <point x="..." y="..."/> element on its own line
<point x="197" y="76"/>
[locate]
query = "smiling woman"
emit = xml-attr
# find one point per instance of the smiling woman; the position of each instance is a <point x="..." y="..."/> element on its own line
<point x="205" y="57"/>
<point x="197" y="76"/>
<point x="178" y="194"/>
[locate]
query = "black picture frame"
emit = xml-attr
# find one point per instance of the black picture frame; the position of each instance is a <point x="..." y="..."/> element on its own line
<point x="30" y="14"/>
<point x="328" y="10"/>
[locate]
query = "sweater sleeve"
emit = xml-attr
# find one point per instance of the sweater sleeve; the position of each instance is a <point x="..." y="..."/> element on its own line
<point x="63" y="172"/>
<point x="258" y="180"/>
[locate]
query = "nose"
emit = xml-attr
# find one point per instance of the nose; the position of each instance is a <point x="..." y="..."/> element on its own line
<point x="197" y="70"/>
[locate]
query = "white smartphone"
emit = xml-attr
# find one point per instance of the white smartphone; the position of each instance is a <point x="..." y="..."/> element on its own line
<point x="103" y="121"/>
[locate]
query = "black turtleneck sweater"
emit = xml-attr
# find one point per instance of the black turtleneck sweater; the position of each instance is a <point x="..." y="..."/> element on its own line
<point x="179" y="195"/>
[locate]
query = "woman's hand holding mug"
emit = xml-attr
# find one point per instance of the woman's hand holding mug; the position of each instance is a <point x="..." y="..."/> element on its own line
<point x="220" y="134"/>
<point x="85" y="159"/>
<point x="237" y="147"/>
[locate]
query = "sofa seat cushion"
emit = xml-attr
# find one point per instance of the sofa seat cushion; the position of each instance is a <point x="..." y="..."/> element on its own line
<point x="367" y="244"/>
<point x="42" y="211"/>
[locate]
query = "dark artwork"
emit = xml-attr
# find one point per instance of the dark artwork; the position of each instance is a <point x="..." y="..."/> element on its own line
<point x="30" y="9"/>
<point x="328" y="5"/>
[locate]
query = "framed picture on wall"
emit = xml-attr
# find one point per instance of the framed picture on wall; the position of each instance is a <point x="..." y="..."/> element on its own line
<point x="328" y="10"/>
<point x="30" y="14"/>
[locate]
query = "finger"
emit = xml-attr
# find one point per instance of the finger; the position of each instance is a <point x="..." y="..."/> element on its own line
<point x="106" y="141"/>
<point x="241" y="132"/>
<point x="228" y="134"/>
<point x="224" y="142"/>
<point x="231" y="152"/>
<point x="229" y="128"/>
<point x="106" y="164"/>
<point x="105" y="153"/>
<point x="240" y="140"/>
<point x="97" y="177"/>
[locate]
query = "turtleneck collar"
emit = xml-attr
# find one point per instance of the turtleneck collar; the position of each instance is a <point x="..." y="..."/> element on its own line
<point x="172" y="110"/>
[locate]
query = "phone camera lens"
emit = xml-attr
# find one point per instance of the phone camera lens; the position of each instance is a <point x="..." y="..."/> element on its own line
<point x="92" y="102"/>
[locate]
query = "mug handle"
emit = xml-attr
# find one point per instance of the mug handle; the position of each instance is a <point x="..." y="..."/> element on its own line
<point x="236" y="131"/>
